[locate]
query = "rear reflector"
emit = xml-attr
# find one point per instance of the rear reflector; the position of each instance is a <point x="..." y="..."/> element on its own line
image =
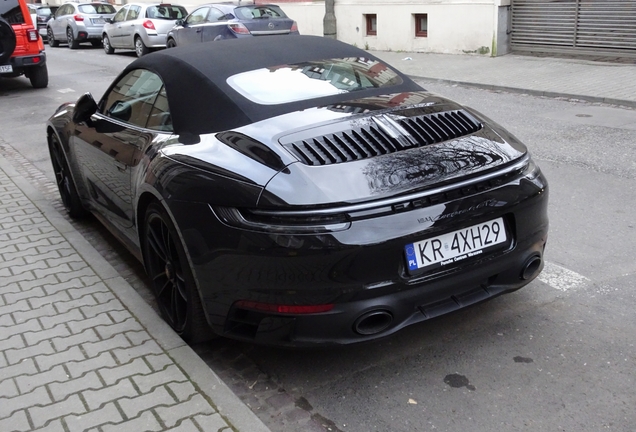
<point x="283" y="309"/>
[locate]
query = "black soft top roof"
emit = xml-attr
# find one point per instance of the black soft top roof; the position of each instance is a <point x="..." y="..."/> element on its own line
<point x="202" y="102"/>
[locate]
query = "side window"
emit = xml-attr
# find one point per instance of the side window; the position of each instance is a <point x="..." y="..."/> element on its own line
<point x="160" y="118"/>
<point x="198" y="16"/>
<point x="65" y="10"/>
<point x="134" y="13"/>
<point x="215" y="15"/>
<point x="121" y="14"/>
<point x="132" y="98"/>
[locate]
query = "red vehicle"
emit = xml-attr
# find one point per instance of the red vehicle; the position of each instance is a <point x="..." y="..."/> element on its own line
<point x="21" y="47"/>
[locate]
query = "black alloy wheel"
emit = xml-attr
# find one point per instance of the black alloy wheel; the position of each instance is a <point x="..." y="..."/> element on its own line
<point x="7" y="40"/>
<point x="51" y="38"/>
<point x="171" y="277"/>
<point x="65" y="184"/>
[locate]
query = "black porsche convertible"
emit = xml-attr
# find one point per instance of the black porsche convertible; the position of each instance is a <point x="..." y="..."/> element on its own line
<point x="302" y="193"/>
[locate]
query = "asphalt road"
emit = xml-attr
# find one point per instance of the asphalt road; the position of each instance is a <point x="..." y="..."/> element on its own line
<point x="557" y="355"/>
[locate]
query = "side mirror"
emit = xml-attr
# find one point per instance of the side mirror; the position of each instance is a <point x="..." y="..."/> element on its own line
<point x="179" y="22"/>
<point x="109" y="20"/>
<point x="85" y="107"/>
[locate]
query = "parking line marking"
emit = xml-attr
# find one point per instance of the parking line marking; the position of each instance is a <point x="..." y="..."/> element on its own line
<point x="66" y="90"/>
<point x="561" y="278"/>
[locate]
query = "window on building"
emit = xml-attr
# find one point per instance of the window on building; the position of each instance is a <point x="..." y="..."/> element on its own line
<point x="372" y="24"/>
<point x="421" y="25"/>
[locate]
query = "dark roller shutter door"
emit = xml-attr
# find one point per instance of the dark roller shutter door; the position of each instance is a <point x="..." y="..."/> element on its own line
<point x="587" y="27"/>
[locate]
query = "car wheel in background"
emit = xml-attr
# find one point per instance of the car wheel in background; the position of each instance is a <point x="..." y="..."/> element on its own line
<point x="65" y="184"/>
<point x="171" y="43"/>
<point x="7" y="40"/>
<point x="39" y="76"/>
<point x="108" y="49"/>
<point x="140" y="48"/>
<point x="51" y="38"/>
<point x="72" y="42"/>
<point x="171" y="277"/>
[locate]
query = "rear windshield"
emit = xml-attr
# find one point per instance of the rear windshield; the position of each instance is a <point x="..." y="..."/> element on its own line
<point x="169" y="12"/>
<point x="302" y="81"/>
<point x="44" y="11"/>
<point x="259" y="12"/>
<point x="97" y="8"/>
<point x="10" y="12"/>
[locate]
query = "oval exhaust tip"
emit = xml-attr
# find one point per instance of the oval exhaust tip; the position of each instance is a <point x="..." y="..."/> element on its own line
<point x="531" y="267"/>
<point x="373" y="322"/>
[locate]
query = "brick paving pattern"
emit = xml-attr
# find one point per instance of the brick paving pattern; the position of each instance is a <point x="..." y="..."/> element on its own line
<point x="73" y="356"/>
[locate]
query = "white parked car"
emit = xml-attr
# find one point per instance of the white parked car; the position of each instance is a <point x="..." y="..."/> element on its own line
<point x="141" y="26"/>
<point x="75" y="23"/>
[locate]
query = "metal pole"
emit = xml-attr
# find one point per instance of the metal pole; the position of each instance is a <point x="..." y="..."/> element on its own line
<point x="329" y="21"/>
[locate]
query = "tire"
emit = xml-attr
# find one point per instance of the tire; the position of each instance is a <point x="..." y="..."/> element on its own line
<point x="171" y="43"/>
<point x="7" y="40"/>
<point x="70" y="39"/>
<point x="65" y="184"/>
<point x="140" y="48"/>
<point x="39" y="76"/>
<point x="108" y="49"/>
<point x="171" y="277"/>
<point x="49" y="35"/>
<point x="96" y="43"/>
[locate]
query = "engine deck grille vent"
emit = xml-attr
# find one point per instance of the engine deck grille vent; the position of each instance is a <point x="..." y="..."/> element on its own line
<point x="386" y="134"/>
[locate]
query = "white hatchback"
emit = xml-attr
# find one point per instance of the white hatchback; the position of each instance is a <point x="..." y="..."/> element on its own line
<point x="141" y="26"/>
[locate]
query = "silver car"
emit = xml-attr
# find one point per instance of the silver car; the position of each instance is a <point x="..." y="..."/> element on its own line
<point x="141" y="26"/>
<point x="75" y="23"/>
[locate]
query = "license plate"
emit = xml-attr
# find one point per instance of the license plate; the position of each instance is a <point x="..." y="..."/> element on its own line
<point x="455" y="246"/>
<point x="6" y="68"/>
<point x="98" y="21"/>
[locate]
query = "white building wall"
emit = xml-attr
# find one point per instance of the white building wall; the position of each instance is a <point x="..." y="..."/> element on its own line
<point x="454" y="26"/>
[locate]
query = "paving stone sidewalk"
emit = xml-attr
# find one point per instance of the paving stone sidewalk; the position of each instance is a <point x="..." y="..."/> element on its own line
<point x="576" y="78"/>
<point x="79" y="349"/>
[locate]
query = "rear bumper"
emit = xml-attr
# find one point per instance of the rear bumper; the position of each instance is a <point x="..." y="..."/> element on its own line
<point x="21" y="63"/>
<point x="382" y="311"/>
<point x="84" y="34"/>
<point x="155" y="41"/>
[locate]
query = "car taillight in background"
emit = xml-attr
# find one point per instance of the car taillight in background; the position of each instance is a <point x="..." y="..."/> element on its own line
<point x="32" y="35"/>
<point x="77" y="17"/>
<point x="294" y="27"/>
<point x="149" y="25"/>
<point x="238" y="28"/>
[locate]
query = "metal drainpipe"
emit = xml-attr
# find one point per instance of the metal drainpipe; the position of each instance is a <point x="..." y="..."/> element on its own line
<point x="330" y="29"/>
